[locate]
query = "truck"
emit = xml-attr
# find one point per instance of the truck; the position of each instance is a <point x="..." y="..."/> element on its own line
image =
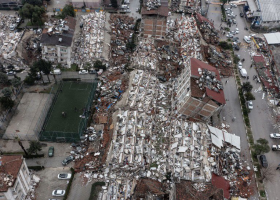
<point x="275" y="147"/>
<point x="243" y="72"/>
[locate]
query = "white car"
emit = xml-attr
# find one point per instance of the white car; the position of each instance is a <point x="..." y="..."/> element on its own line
<point x="236" y="31"/>
<point x="275" y="147"/>
<point x="229" y="35"/>
<point x="275" y="135"/>
<point x="64" y="176"/>
<point x="240" y="65"/>
<point x="58" y="193"/>
<point x="250" y="105"/>
<point x="247" y="39"/>
<point x="83" y="71"/>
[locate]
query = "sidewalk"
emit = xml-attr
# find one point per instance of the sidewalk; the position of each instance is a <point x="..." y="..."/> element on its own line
<point x="12" y="146"/>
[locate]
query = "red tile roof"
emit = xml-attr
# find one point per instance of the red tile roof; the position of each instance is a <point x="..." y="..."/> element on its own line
<point x="162" y="11"/>
<point x="10" y="165"/>
<point x="195" y="65"/>
<point x="259" y="59"/>
<point x="222" y="183"/>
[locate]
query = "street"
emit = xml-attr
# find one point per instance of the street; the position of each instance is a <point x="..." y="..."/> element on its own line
<point x="261" y="116"/>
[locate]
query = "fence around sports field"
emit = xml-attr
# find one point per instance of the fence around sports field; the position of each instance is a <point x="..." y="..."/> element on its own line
<point x="64" y="136"/>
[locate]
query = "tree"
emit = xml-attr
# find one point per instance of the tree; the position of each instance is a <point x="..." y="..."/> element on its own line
<point x="98" y="65"/>
<point x="43" y="66"/>
<point x="15" y="83"/>
<point x="34" y="13"/>
<point x="224" y="1"/>
<point x="261" y="146"/>
<point x="7" y="92"/>
<point x="247" y="87"/>
<point x="249" y="96"/>
<point x="68" y="10"/>
<point x="114" y="3"/>
<point x="6" y="103"/>
<point x="3" y="78"/>
<point x="34" y="147"/>
<point x="29" y="79"/>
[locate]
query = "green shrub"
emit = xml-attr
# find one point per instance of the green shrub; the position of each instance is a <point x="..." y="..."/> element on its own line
<point x="262" y="193"/>
<point x="69" y="184"/>
<point x="94" y="191"/>
<point x="36" y="168"/>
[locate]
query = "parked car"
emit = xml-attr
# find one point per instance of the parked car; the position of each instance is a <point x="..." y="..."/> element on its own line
<point x="56" y="72"/>
<point x="67" y="160"/>
<point x="235" y="46"/>
<point x="240" y="65"/>
<point x="263" y="161"/>
<point x="51" y="151"/>
<point x="235" y="39"/>
<point x="58" y="193"/>
<point x="247" y="39"/>
<point x="234" y="21"/>
<point x="64" y="176"/>
<point x="229" y="35"/>
<point x="236" y="31"/>
<point x="241" y="14"/>
<point x="250" y="105"/>
<point x="275" y="135"/>
<point x="11" y="73"/>
<point x="83" y="71"/>
<point x="275" y="147"/>
<point x="92" y="71"/>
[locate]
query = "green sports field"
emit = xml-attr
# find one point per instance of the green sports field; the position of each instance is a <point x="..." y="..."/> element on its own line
<point x="71" y="95"/>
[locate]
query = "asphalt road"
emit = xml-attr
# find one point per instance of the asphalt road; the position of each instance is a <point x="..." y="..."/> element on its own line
<point x="261" y="116"/>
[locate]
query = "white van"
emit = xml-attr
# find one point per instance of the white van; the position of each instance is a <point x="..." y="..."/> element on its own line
<point x="56" y="72"/>
<point x="243" y="72"/>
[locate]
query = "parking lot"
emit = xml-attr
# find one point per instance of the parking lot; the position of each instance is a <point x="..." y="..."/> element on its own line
<point x="53" y="167"/>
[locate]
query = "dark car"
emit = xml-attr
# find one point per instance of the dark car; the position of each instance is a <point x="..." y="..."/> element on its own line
<point x="241" y="14"/>
<point x="236" y="47"/>
<point x="67" y="160"/>
<point x="51" y="151"/>
<point x="263" y="161"/>
<point x="92" y="71"/>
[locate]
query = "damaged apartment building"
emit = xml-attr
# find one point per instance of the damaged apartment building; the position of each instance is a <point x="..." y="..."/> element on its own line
<point x="57" y="39"/>
<point x="199" y="90"/>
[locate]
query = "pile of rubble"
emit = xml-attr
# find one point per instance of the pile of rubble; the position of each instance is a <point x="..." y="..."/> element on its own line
<point x="146" y="56"/>
<point x="9" y="39"/>
<point x="34" y="183"/>
<point x="153" y="4"/>
<point x="89" y="45"/>
<point x="122" y="29"/>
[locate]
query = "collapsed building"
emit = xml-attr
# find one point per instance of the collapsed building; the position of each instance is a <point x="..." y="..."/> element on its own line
<point x="9" y="41"/>
<point x="57" y="39"/>
<point x="89" y="45"/>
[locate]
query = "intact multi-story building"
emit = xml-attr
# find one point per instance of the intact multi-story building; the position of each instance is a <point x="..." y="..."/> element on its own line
<point x="200" y="91"/>
<point x="57" y="42"/>
<point x="15" y="181"/>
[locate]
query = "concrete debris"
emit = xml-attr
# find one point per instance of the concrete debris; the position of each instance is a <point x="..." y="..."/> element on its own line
<point x="145" y="141"/>
<point x="89" y="45"/>
<point x="145" y="56"/>
<point x="122" y="32"/>
<point x="153" y="4"/>
<point x="35" y="180"/>
<point x="9" y="40"/>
